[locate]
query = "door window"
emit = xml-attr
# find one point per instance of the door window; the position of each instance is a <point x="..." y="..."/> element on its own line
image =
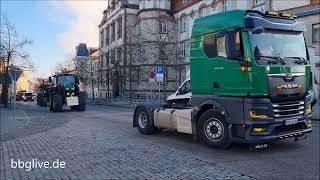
<point x="220" y="44"/>
<point x="209" y="46"/>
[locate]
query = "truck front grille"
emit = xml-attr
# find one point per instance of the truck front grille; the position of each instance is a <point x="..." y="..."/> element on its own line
<point x="288" y="109"/>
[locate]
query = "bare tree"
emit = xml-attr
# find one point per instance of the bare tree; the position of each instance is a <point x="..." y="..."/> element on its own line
<point x="12" y="51"/>
<point x="68" y="65"/>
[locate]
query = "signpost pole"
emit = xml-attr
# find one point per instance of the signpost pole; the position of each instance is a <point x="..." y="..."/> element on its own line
<point x="159" y="92"/>
<point x="159" y="77"/>
<point x="14" y="94"/>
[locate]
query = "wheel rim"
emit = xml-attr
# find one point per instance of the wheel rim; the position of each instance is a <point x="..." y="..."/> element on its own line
<point x="142" y="120"/>
<point x="213" y="129"/>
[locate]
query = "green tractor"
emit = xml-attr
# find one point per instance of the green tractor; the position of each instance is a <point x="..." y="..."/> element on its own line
<point x="64" y="90"/>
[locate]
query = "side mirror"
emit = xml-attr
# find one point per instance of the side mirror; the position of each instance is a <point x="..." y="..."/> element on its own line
<point x="257" y="30"/>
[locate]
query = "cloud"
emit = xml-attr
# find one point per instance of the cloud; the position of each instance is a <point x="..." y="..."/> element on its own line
<point x="81" y="24"/>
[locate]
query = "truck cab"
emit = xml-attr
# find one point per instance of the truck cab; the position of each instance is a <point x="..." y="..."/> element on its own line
<point x="251" y="81"/>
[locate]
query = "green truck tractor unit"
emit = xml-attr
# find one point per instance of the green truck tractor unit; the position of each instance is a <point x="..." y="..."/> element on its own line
<point x="64" y="90"/>
<point x="250" y="78"/>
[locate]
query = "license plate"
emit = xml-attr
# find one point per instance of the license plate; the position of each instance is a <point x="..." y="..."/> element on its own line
<point x="72" y="101"/>
<point x="290" y="121"/>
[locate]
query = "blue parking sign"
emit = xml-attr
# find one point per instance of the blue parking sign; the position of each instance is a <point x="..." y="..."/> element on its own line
<point x="160" y="69"/>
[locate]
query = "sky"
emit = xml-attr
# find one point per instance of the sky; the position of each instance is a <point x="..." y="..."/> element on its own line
<point x="55" y="27"/>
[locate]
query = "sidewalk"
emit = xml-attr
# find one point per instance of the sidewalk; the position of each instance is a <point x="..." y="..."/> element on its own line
<point x="118" y="102"/>
<point x="6" y="119"/>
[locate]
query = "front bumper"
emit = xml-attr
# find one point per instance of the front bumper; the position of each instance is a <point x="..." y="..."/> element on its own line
<point x="274" y="128"/>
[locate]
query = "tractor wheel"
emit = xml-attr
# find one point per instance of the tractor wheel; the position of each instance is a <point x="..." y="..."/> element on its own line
<point x="50" y="103"/>
<point x="39" y="99"/>
<point x="82" y="102"/>
<point x="73" y="108"/>
<point x="44" y="102"/>
<point x="57" y="103"/>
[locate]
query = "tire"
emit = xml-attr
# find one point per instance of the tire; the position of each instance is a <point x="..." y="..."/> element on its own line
<point x="82" y="102"/>
<point x="144" y="122"/>
<point x="73" y="108"/>
<point x="50" y="104"/>
<point x="212" y="129"/>
<point x="39" y="99"/>
<point x="44" y="102"/>
<point x="57" y="103"/>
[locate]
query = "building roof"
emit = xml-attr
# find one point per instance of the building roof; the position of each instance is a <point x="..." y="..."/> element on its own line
<point x="82" y="50"/>
<point x="95" y="55"/>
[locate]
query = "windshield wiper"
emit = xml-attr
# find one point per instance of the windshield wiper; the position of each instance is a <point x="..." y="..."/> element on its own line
<point x="279" y="59"/>
<point x="299" y="59"/>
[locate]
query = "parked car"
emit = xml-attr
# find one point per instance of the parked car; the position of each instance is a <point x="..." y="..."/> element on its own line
<point x="19" y="95"/>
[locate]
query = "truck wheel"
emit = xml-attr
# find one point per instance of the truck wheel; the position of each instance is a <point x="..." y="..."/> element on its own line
<point x="38" y="99"/>
<point x="144" y="122"/>
<point x="44" y="102"/>
<point x="82" y="101"/>
<point x="213" y="129"/>
<point x="57" y="103"/>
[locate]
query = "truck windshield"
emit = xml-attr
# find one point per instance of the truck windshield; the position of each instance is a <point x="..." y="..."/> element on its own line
<point x="279" y="46"/>
<point x="66" y="80"/>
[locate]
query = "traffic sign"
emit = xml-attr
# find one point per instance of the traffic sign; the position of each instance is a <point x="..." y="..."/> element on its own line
<point x="160" y="72"/>
<point x="160" y="69"/>
<point x="14" y="72"/>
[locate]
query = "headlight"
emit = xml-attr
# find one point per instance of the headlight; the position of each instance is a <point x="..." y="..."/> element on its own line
<point x="308" y="108"/>
<point x="254" y="114"/>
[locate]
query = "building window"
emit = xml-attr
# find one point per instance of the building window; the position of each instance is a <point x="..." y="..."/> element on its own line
<point x="183" y="23"/>
<point x="113" y="33"/>
<point x="163" y="26"/>
<point x="120" y="55"/>
<point x="183" y="50"/>
<point x="101" y="39"/>
<point x="107" y="35"/>
<point x="316" y="33"/>
<point x="258" y="2"/>
<point x="202" y="11"/>
<point x="119" y="28"/>
<point x="227" y="5"/>
<point x="186" y="1"/>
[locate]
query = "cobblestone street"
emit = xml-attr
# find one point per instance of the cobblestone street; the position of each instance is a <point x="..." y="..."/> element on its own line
<point x="100" y="143"/>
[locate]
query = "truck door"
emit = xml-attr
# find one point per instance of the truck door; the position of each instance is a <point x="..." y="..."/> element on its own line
<point x="226" y="56"/>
